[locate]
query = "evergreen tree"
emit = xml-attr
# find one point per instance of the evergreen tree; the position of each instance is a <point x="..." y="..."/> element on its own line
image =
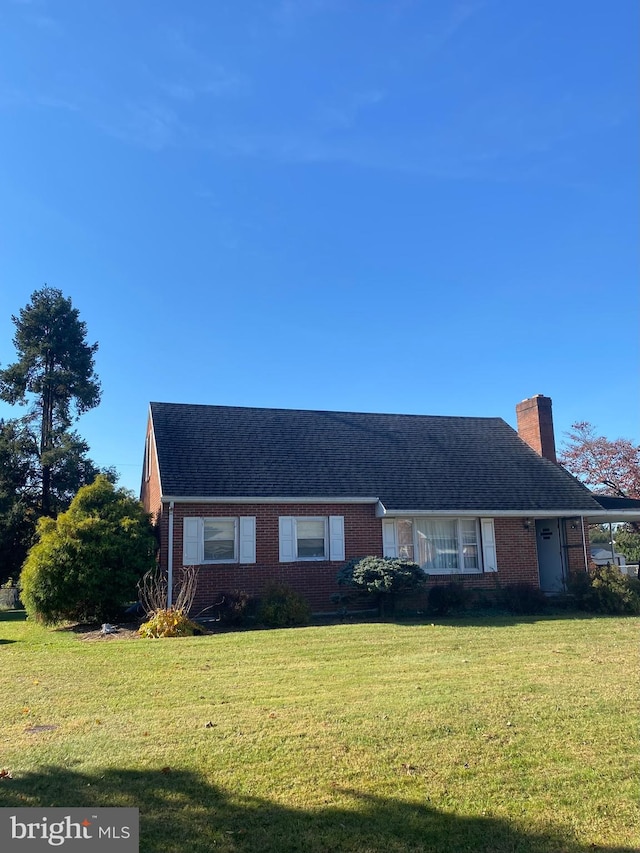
<point x="54" y="375"/>
<point x="86" y="564"/>
<point x="19" y="496"/>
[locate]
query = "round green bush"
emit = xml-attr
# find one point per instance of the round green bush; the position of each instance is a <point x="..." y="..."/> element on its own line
<point x="523" y="598"/>
<point x="86" y="563"/>
<point x="384" y="578"/>
<point x="442" y="599"/>
<point x="282" y="607"/>
<point x="604" y="589"/>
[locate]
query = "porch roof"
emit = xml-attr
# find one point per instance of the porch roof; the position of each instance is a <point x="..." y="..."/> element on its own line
<point x="615" y="510"/>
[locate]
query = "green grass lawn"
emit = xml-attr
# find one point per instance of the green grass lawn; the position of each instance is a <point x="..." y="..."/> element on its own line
<point x="492" y="734"/>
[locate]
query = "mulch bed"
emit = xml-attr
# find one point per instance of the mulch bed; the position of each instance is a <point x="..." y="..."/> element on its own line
<point x="125" y="631"/>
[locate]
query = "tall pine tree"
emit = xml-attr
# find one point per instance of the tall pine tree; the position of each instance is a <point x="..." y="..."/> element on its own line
<point x="54" y="375"/>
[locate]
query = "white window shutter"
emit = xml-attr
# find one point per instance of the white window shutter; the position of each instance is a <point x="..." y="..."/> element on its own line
<point x="489" y="559"/>
<point x="336" y="537"/>
<point x="287" y="525"/>
<point x="389" y="545"/>
<point x="247" y="539"/>
<point x="192" y="543"/>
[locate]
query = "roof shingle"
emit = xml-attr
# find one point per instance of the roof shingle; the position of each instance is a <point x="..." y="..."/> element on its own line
<point x="409" y="462"/>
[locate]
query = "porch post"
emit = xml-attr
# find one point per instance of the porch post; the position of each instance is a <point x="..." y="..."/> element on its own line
<point x="613" y="553"/>
<point x="585" y="536"/>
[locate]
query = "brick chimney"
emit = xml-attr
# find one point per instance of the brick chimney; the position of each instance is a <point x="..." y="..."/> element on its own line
<point x="535" y="425"/>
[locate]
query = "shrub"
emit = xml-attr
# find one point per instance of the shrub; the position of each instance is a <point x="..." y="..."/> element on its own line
<point x="383" y="577"/>
<point x="444" y="598"/>
<point x="87" y="562"/>
<point x="169" y="623"/>
<point x="522" y="598"/>
<point x="604" y="589"/>
<point x="282" y="607"/>
<point x="237" y="608"/>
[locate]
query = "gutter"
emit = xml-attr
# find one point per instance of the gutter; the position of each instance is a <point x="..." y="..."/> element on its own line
<point x="235" y="499"/>
<point x="483" y="513"/>
<point x="170" y="558"/>
<point x="612" y="515"/>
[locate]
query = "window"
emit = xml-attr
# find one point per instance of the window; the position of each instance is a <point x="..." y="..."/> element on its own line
<point x="311" y="538"/>
<point x="442" y="545"/>
<point x="219" y="540"/>
<point x="147" y="458"/>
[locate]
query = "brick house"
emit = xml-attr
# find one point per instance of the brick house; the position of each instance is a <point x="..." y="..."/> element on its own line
<point x="255" y="495"/>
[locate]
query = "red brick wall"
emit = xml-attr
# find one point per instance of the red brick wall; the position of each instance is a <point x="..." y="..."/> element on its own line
<point x="517" y="552"/>
<point x="316" y="581"/>
<point x="535" y="425"/>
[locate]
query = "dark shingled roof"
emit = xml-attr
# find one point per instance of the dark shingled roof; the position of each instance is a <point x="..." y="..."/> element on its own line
<point x="611" y="502"/>
<point x="409" y="462"/>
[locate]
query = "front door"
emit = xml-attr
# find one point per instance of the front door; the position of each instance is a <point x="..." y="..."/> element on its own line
<point x="550" y="556"/>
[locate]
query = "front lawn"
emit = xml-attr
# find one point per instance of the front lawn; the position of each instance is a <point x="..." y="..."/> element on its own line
<point x="489" y="735"/>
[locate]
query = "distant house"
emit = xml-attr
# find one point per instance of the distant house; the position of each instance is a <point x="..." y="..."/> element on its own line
<point x="252" y="495"/>
<point x="601" y="555"/>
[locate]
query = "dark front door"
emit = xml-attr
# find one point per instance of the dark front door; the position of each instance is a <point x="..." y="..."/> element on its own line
<point x="550" y="555"/>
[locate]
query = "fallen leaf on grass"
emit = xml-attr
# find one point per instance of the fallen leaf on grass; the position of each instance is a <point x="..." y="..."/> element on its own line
<point x="5" y="774"/>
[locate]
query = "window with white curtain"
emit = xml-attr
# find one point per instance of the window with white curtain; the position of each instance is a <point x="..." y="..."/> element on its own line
<point x="440" y="545"/>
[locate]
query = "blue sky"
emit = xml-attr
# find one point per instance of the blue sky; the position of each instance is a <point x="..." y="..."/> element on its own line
<point x="395" y="206"/>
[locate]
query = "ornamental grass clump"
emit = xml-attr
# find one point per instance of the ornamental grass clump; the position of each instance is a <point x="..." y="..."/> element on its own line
<point x="163" y="619"/>
<point x="169" y="623"/>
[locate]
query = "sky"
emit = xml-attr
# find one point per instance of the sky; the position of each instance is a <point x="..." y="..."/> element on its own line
<point x="412" y="206"/>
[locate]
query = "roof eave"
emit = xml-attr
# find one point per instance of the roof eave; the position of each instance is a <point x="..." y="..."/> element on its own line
<point x="488" y="513"/>
<point x="271" y="499"/>
<point x="613" y="516"/>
